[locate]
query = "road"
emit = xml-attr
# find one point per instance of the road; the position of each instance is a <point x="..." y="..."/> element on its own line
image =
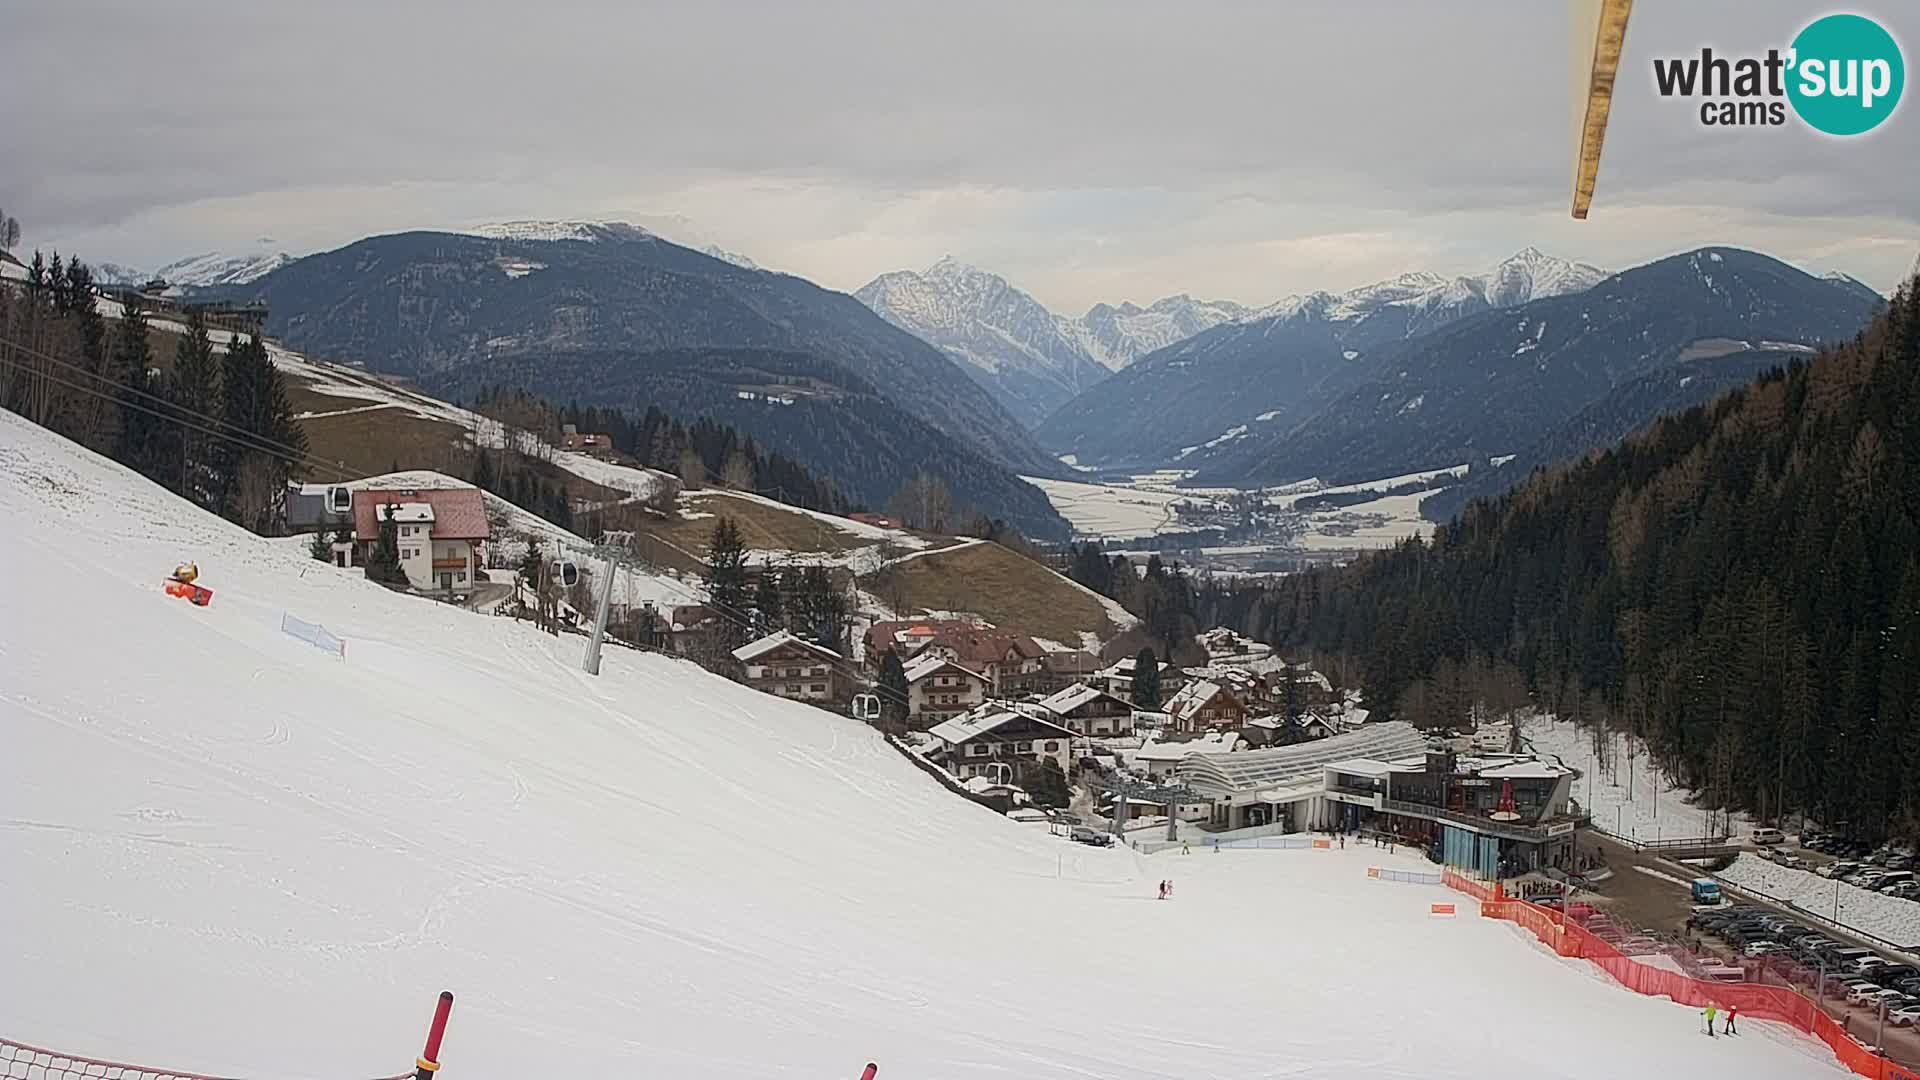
<point x="1651" y="893"/>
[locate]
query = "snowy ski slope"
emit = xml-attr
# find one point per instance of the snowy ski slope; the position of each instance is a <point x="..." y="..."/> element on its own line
<point x="226" y="851"/>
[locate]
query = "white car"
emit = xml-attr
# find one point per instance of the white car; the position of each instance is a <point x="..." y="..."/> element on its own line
<point x="1858" y="990"/>
<point x="1904" y="1017"/>
<point x="1763" y="948"/>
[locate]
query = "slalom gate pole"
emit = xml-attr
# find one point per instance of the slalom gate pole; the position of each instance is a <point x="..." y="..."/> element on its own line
<point x="429" y="1061"/>
<point x="869" y="1072"/>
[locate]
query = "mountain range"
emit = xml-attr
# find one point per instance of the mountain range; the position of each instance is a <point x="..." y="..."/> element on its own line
<point x="1262" y="369"/>
<point x="207" y="271"/>
<point x="614" y="315"/>
<point x="1031" y="359"/>
<point x="1512" y="380"/>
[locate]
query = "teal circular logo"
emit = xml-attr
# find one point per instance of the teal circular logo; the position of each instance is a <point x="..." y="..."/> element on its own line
<point x="1847" y="74"/>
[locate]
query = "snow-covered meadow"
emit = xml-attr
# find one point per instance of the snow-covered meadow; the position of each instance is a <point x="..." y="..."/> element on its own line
<point x="224" y="850"/>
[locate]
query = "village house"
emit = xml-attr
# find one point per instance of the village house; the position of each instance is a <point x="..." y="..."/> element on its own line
<point x="1206" y="706"/>
<point x="1117" y="679"/>
<point x="993" y="742"/>
<point x="908" y="637"/>
<point x="1278" y="730"/>
<point x="571" y="438"/>
<point x="1013" y="664"/>
<point x="1158" y="759"/>
<point x="1252" y="690"/>
<point x="1225" y="646"/>
<point x="441" y="533"/>
<point x="790" y="667"/>
<point x="1061" y="668"/>
<point x="939" y="689"/>
<point x="1084" y="710"/>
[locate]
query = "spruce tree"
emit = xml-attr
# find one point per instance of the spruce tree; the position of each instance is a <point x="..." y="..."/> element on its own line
<point x="892" y="689"/>
<point x="383" y="562"/>
<point x="727" y="580"/>
<point x="194" y="389"/>
<point x="769" y="602"/>
<point x="1146" y="680"/>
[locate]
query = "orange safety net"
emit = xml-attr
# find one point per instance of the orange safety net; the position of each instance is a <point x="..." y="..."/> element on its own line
<point x="1750" y="999"/>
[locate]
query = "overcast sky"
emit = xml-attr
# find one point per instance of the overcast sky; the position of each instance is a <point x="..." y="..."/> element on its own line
<point x="1089" y="151"/>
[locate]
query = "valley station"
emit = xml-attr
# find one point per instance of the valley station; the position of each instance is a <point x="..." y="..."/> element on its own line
<point x="1496" y="814"/>
<point x="1499" y="814"/>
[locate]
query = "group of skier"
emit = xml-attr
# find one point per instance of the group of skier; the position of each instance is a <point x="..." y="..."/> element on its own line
<point x="1732" y="1011"/>
<point x="1166" y="890"/>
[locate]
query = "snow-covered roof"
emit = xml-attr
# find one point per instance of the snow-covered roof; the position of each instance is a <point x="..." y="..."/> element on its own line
<point x="1525" y="770"/>
<point x="412" y="513"/>
<point x="752" y="649"/>
<point x="982" y="721"/>
<point x="922" y="666"/>
<point x="1072" y="698"/>
<point x="1193" y="697"/>
<point x="1218" y="742"/>
<point x="1284" y="766"/>
<point x="1361" y="767"/>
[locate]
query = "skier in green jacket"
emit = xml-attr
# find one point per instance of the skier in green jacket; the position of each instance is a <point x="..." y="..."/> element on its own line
<point x="1710" y="1019"/>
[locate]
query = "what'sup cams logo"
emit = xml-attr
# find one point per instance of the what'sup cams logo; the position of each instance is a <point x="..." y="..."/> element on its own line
<point x="1842" y="76"/>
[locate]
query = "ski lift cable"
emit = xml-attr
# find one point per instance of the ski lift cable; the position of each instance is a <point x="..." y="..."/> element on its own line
<point x="229" y="437"/>
<point x="264" y="442"/>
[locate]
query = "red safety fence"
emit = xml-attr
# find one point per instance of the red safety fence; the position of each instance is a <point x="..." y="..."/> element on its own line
<point x="1750" y="999"/>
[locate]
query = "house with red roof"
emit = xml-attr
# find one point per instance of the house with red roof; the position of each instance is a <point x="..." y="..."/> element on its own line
<point x="441" y="532"/>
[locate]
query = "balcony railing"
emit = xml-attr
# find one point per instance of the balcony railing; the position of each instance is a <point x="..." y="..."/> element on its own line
<point x="1512" y="830"/>
<point x="450" y="564"/>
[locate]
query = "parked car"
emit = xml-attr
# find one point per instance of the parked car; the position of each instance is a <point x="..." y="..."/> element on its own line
<point x="1895" y="974"/>
<point x="1906" y="890"/>
<point x="1894" y="999"/>
<point x="1763" y="948"/>
<point x="1794" y="862"/>
<point x="1837" y="869"/>
<point x="1765" y="836"/>
<point x="1084" y="835"/>
<point x="1904" y="1017"/>
<point x="1858" y="990"/>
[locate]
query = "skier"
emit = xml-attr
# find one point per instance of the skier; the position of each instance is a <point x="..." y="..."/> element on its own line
<point x="1185" y="849"/>
<point x="1710" y="1020"/>
<point x="1732" y="1011"/>
<point x="1163" y="890"/>
<point x="1169" y="888"/>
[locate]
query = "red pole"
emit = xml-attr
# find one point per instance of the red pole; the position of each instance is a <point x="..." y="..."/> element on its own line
<point x="870" y="1070"/>
<point x="429" y="1060"/>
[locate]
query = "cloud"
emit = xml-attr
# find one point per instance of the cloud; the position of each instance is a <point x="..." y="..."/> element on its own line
<point x="1088" y="150"/>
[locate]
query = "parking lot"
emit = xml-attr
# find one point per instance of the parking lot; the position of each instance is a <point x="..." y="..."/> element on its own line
<point x="1650" y="893"/>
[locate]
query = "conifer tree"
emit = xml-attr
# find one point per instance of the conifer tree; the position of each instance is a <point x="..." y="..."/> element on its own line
<point x="892" y="689"/>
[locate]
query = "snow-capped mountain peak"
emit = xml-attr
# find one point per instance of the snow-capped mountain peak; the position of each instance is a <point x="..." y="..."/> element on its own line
<point x="198" y="271"/>
<point x="549" y="231"/>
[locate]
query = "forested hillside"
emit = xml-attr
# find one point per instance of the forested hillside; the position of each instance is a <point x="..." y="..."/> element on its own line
<point x="1739" y="583"/>
<point x="837" y="426"/>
